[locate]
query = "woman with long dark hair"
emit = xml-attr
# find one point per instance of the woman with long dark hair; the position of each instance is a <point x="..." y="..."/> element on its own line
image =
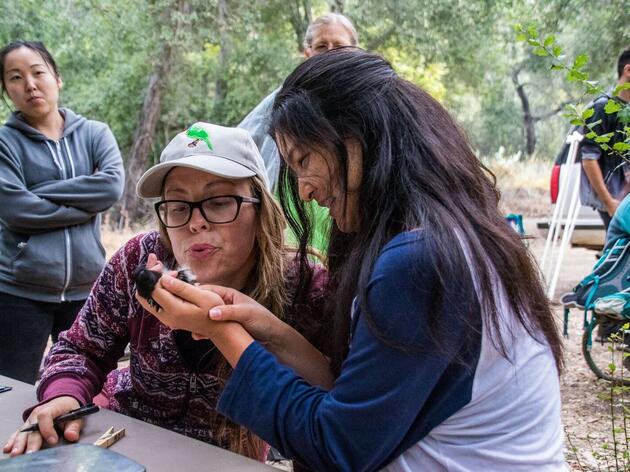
<point x="447" y="352"/>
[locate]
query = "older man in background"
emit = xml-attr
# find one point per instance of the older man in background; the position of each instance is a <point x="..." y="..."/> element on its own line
<point x="326" y="32"/>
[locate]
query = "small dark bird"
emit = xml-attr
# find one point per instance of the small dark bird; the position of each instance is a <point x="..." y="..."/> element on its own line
<point x="146" y="279"/>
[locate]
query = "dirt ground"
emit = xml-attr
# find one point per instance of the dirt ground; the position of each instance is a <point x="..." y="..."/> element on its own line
<point x="585" y="408"/>
<point x="585" y="414"/>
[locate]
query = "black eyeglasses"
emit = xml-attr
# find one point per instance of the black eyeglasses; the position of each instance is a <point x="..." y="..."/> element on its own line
<point x="216" y="210"/>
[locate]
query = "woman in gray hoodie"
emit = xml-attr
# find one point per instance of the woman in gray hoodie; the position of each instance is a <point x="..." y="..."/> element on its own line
<point x="58" y="172"/>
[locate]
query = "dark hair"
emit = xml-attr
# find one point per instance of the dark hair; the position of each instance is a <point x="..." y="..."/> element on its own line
<point x="416" y="155"/>
<point x="36" y="46"/>
<point x="623" y="61"/>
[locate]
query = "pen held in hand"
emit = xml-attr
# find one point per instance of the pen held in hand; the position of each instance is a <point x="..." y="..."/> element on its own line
<point x="71" y="415"/>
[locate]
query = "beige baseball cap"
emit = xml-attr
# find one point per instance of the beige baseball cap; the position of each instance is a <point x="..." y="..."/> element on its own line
<point x="218" y="150"/>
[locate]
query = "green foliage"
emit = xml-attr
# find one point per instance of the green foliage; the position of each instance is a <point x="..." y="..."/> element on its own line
<point x="614" y="454"/>
<point x="106" y="50"/>
<point x="415" y="69"/>
<point x="577" y="114"/>
<point x="461" y="51"/>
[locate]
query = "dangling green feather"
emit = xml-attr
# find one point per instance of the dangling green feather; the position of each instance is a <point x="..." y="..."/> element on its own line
<point x="197" y="132"/>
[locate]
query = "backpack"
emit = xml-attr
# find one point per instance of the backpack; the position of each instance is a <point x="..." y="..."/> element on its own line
<point x="515" y="220"/>
<point x="616" y="305"/>
<point x="611" y="274"/>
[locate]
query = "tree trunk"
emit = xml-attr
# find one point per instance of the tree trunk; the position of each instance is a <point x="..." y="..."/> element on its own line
<point x="133" y="209"/>
<point x="300" y="19"/>
<point x="528" y="119"/>
<point x="221" y="84"/>
<point x="336" y="6"/>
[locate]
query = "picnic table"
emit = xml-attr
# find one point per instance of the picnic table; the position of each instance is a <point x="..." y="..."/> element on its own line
<point x="157" y="449"/>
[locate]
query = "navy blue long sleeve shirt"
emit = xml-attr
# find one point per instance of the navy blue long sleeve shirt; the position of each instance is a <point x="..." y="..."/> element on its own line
<point x="387" y="399"/>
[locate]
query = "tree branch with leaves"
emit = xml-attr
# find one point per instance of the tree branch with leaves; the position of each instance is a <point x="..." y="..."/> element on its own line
<point x="580" y="112"/>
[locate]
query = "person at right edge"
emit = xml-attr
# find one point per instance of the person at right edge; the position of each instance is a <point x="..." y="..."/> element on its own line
<point x="605" y="174"/>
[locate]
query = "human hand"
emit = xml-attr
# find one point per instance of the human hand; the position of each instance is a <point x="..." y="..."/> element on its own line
<point x="43" y="415"/>
<point x="259" y="322"/>
<point x="183" y="306"/>
<point x="611" y="206"/>
<point x="287" y="344"/>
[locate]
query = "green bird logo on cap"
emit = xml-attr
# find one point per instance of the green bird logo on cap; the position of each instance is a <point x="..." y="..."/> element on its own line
<point x="198" y="134"/>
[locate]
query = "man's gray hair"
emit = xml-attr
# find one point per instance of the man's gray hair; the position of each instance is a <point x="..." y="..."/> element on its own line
<point x="330" y="19"/>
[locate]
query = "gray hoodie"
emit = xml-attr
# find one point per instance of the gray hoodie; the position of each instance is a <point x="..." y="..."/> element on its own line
<point x="51" y="194"/>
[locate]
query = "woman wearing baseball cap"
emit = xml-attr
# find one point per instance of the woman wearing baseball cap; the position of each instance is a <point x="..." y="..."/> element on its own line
<point x="217" y="218"/>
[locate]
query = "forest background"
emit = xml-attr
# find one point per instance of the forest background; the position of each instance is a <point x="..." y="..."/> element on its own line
<point x="149" y="68"/>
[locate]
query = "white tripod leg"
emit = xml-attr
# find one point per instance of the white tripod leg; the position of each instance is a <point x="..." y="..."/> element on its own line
<point x="561" y="204"/>
<point x="572" y="215"/>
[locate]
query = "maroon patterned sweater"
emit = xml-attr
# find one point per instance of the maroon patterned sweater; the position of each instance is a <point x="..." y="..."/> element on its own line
<point x="159" y="386"/>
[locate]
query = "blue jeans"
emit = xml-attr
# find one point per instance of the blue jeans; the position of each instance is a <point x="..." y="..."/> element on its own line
<point x="24" y="329"/>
